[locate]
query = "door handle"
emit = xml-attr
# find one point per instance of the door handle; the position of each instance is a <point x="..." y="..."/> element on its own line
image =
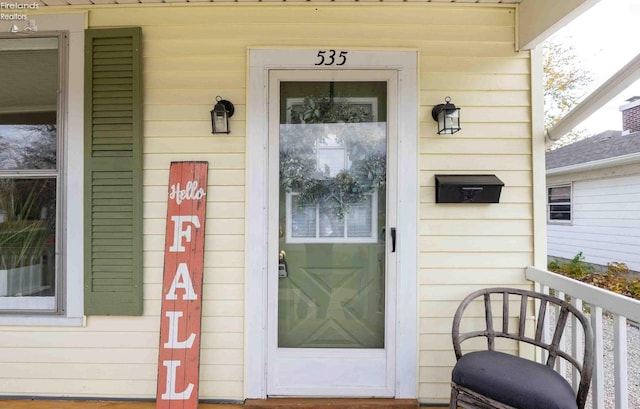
<point x="283" y="271"/>
<point x="393" y="239"/>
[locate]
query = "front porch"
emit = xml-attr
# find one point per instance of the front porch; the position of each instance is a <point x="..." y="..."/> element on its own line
<point x="595" y="301"/>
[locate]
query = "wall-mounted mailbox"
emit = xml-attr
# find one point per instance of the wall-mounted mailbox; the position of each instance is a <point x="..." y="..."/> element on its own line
<point x="468" y="189"/>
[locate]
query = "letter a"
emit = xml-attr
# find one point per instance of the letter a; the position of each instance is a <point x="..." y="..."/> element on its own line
<point x="171" y="394"/>
<point x="182" y="279"/>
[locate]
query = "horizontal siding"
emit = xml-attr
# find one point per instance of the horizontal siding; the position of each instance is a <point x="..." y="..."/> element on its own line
<point x="466" y="52"/>
<point x="605" y="225"/>
<point x="454" y="276"/>
<point x="440" y="146"/>
<point x="466" y="247"/>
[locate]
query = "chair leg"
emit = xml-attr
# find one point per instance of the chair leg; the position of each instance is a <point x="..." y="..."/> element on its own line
<point x="453" y="401"/>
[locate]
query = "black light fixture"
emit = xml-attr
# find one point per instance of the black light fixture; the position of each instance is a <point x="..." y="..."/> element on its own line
<point x="447" y="116"/>
<point x="220" y="115"/>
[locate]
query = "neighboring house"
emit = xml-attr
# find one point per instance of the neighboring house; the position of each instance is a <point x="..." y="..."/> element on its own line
<point x="99" y="97"/>
<point x="593" y="195"/>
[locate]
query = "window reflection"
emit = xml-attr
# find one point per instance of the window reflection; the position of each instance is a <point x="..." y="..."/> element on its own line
<point x="27" y="236"/>
<point x="28" y="147"/>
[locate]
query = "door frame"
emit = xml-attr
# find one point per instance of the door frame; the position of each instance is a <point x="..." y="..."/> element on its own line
<point x="261" y="61"/>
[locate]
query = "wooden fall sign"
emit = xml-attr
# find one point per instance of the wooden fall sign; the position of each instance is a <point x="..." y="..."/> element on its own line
<point x="179" y="357"/>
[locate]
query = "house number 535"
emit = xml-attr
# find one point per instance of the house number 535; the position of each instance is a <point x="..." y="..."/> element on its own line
<point x="331" y="57"/>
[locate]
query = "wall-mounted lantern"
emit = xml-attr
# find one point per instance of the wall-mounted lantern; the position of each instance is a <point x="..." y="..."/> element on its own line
<point x="220" y="114"/>
<point x="447" y="116"/>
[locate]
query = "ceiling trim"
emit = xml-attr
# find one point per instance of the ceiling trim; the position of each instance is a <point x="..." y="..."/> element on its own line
<point x="539" y="19"/>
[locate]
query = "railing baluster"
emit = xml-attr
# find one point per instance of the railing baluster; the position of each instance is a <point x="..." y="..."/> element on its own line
<point x="546" y="335"/>
<point x="577" y="341"/>
<point x="561" y="364"/>
<point x="597" y="382"/>
<point x="620" y="359"/>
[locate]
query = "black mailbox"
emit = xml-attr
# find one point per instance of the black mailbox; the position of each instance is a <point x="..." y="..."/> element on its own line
<point x="468" y="189"/>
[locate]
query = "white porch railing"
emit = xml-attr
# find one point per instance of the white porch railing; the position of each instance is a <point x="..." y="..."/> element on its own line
<point x="598" y="300"/>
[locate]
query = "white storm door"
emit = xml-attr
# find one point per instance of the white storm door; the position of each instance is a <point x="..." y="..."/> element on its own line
<point x="331" y="236"/>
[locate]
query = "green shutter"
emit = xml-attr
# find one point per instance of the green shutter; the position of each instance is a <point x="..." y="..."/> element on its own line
<point x="113" y="172"/>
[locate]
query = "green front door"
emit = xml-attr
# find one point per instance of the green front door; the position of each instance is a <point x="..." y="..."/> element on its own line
<point x="333" y="232"/>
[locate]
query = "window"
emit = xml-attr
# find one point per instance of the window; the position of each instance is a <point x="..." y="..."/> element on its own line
<point x="333" y="156"/>
<point x="559" y="203"/>
<point x="30" y="173"/>
<point x="57" y="167"/>
<point x="320" y="223"/>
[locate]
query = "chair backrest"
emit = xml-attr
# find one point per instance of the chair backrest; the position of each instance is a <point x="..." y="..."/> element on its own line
<point x="564" y="311"/>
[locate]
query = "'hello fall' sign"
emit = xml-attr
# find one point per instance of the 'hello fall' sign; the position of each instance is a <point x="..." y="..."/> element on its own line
<point x="179" y="357"/>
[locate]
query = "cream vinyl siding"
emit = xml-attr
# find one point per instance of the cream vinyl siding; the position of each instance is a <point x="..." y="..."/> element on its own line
<point x="191" y="54"/>
<point x="464" y="247"/>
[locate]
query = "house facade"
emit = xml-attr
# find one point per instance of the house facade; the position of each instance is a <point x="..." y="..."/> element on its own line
<point x="330" y="269"/>
<point x="593" y="195"/>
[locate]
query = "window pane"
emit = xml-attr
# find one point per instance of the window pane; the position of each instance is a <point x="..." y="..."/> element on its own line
<point x="331" y="224"/>
<point x="560" y="212"/>
<point x="28" y="146"/>
<point x="28" y="107"/>
<point x="27" y="237"/>
<point x="359" y="219"/>
<point x="559" y="194"/>
<point x="330" y="161"/>
<point x="303" y="219"/>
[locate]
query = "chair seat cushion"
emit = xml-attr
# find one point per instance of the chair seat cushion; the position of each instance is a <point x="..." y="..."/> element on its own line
<point x="514" y="381"/>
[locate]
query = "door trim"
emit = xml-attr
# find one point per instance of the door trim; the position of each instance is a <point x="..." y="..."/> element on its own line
<point x="261" y="61"/>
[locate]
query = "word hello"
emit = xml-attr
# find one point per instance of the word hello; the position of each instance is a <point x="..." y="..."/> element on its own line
<point x="190" y="192"/>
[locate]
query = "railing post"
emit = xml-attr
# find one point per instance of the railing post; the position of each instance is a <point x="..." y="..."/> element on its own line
<point x="597" y="381"/>
<point x="620" y="359"/>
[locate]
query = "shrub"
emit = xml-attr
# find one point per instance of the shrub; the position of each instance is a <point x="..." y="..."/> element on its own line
<point x="576" y="268"/>
<point x="616" y="278"/>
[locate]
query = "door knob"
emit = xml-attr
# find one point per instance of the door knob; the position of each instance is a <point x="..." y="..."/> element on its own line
<point x="282" y="264"/>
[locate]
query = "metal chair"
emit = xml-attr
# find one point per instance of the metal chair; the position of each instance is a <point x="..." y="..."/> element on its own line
<point x="491" y="379"/>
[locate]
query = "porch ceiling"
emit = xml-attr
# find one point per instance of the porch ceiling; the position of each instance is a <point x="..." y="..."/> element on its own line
<point x="537" y="19"/>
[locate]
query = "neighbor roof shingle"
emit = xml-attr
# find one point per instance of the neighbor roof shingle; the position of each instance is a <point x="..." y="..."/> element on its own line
<point x="606" y="145"/>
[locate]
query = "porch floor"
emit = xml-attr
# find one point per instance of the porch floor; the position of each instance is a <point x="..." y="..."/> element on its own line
<point x="249" y="404"/>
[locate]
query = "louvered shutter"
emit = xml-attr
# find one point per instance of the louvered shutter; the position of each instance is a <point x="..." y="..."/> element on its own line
<point x="113" y="172"/>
